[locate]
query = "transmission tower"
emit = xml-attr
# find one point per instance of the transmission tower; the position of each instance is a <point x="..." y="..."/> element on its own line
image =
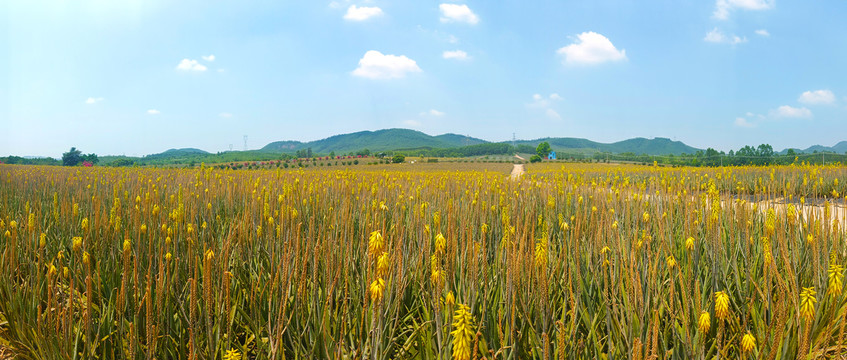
<point x="230" y="147"/>
<point x="245" y="142"/>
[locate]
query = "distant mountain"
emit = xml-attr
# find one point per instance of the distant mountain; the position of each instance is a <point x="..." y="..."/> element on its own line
<point x="656" y="146"/>
<point x="839" y="148"/>
<point x="375" y="141"/>
<point x="176" y="153"/>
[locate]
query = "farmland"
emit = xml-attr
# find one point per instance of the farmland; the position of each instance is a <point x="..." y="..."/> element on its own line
<point x="423" y="261"/>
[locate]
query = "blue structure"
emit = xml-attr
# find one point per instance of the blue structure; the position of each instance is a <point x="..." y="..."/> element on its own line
<point x="551" y="156"/>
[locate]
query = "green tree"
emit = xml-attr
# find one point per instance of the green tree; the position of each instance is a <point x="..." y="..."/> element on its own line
<point x="398" y="159"/>
<point x="92" y="158"/>
<point x="72" y="157"/>
<point x="535" y="159"/>
<point x="543" y="150"/>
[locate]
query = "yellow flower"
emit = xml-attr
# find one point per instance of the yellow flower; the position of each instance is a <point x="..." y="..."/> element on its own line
<point x="382" y="264"/>
<point x="463" y="333"/>
<point x="168" y="257"/>
<point x="77" y="243"/>
<point x="807" y="303"/>
<point x="541" y="253"/>
<point x="84" y="224"/>
<point x="836" y="276"/>
<point x="748" y="342"/>
<point x="31" y="222"/>
<point x="232" y="354"/>
<point x="127" y="245"/>
<point x="51" y="271"/>
<point x="671" y="261"/>
<point x="449" y="299"/>
<point x="210" y="255"/>
<point x="85" y="258"/>
<point x="721" y="305"/>
<point x="689" y="243"/>
<point x="42" y="240"/>
<point x="704" y="322"/>
<point x="376" y="289"/>
<point x="810" y="239"/>
<point x="143" y="228"/>
<point x="646" y="217"/>
<point x="375" y="243"/>
<point x="440" y="243"/>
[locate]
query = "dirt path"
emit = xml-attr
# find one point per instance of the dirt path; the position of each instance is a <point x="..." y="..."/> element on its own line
<point x="517" y="171"/>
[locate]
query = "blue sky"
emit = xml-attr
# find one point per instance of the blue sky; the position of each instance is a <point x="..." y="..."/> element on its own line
<point x="137" y="77"/>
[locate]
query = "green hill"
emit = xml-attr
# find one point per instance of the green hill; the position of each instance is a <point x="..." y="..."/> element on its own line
<point x="656" y="146"/>
<point x="375" y="141"/>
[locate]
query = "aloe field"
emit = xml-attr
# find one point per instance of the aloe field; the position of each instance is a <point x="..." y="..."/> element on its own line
<point x="567" y="261"/>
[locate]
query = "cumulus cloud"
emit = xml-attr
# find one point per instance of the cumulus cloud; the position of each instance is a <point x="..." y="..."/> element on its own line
<point x="434" y="112"/>
<point x="190" y="65"/>
<point x="412" y="123"/>
<point x="724" y="7"/>
<point x="225" y="115"/>
<point x="718" y="37"/>
<point x="458" y="13"/>
<point x="355" y="13"/>
<point x="817" y="97"/>
<point x="546" y="104"/>
<point x="153" y="112"/>
<point x="376" y="65"/>
<point x="786" y="111"/>
<point x="456" y="54"/>
<point x="763" y="32"/>
<point x="742" y="122"/>
<point x="209" y="58"/>
<point x="93" y="100"/>
<point x="591" y="48"/>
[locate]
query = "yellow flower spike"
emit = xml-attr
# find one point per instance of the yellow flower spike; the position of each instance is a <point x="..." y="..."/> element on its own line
<point x="210" y="255"/>
<point x="86" y="259"/>
<point x="76" y="243"/>
<point x="259" y="231"/>
<point x="721" y="305"/>
<point x="51" y="271"/>
<point x="689" y="243"/>
<point x="375" y="243"/>
<point x="127" y="245"/>
<point x="382" y="264"/>
<point x="66" y="272"/>
<point x="449" y="299"/>
<point x="143" y="228"/>
<point x="232" y="354"/>
<point x="646" y="216"/>
<point x="836" y="277"/>
<point x="671" y="261"/>
<point x="463" y="333"/>
<point x="440" y="243"/>
<point x="704" y="322"/>
<point x="84" y="224"/>
<point x="748" y="343"/>
<point x="168" y="257"/>
<point x="810" y="239"/>
<point x="807" y="303"/>
<point x="31" y="222"/>
<point x="42" y="240"/>
<point x="376" y="289"/>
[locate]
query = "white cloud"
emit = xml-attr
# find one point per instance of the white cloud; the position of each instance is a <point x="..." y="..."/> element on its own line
<point x="763" y="32"/>
<point x="452" y="39"/>
<point x="434" y="112"/>
<point x="555" y="96"/>
<point x="225" y="115"/>
<point x="153" y="112"/>
<point x="412" y="123"/>
<point x="552" y="114"/>
<point x="190" y="65"/>
<point x="539" y="101"/>
<point x="376" y="65"/>
<point x="786" y="111"/>
<point x="93" y="100"/>
<point x="817" y="97"/>
<point x="456" y="54"/>
<point x="723" y="7"/>
<point x="457" y="13"/>
<point x="591" y="48"/>
<point x="209" y="58"/>
<point x="355" y="13"/>
<point x="718" y="37"/>
<point x="742" y="122"/>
